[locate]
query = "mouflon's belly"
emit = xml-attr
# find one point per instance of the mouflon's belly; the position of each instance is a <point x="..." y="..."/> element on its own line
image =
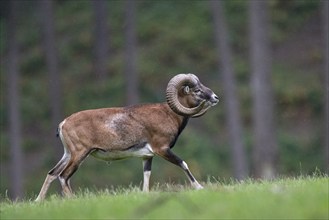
<point x="139" y="150"/>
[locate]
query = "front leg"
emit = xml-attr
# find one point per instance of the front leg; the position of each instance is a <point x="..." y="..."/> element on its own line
<point x="171" y="157"/>
<point x="147" y="165"/>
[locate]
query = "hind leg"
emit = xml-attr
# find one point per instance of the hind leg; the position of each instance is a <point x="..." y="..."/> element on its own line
<point x="52" y="175"/>
<point x="64" y="178"/>
<point x="69" y="170"/>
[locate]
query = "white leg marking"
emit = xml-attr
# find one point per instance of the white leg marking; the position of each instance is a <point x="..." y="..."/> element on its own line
<point x="66" y="190"/>
<point x="185" y="165"/>
<point x="45" y="187"/>
<point x="61" y="180"/>
<point x="194" y="183"/>
<point x="146" y="181"/>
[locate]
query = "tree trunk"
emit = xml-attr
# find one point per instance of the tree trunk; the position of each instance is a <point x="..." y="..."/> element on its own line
<point x="265" y="151"/>
<point x="232" y="106"/>
<point x="101" y="40"/>
<point x="55" y="91"/>
<point x="15" y="136"/>
<point x="131" y="77"/>
<point x="325" y="18"/>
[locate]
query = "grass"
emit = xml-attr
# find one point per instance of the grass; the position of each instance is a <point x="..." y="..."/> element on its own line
<point x="301" y="198"/>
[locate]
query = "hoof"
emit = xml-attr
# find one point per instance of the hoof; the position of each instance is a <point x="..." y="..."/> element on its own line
<point x="197" y="186"/>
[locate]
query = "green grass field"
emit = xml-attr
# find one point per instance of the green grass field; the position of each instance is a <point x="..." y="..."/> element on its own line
<point x="300" y="198"/>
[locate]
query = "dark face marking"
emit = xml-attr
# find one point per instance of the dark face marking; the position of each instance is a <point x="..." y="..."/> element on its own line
<point x="199" y="93"/>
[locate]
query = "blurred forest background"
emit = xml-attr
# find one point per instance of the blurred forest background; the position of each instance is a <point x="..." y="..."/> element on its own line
<point x="266" y="60"/>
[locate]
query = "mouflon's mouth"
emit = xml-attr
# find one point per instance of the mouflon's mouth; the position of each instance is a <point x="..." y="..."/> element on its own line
<point x="213" y="103"/>
<point x="214" y="100"/>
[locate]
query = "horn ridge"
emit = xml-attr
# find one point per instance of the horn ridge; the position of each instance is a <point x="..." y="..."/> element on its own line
<point x="172" y="94"/>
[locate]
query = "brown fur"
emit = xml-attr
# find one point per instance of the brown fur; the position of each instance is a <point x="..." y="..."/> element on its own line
<point x="117" y="133"/>
<point x="90" y="129"/>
